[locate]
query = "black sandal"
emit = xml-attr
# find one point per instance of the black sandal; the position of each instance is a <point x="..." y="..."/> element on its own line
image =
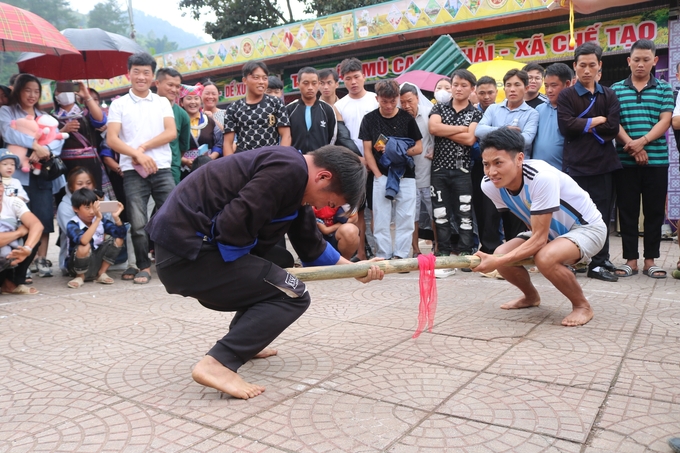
<point x="142" y="274"/>
<point x="129" y="274"/>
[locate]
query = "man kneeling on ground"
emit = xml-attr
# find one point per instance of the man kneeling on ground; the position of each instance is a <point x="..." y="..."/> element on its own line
<point x="565" y="226"/>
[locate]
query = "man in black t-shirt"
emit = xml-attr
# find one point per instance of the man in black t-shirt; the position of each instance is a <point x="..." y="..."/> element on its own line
<point x="258" y="120"/>
<point x="390" y="121"/>
<point x="532" y="96"/>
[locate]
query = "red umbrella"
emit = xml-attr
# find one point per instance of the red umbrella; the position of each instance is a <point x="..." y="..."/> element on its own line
<point x="103" y="55"/>
<point x="424" y="80"/>
<point x="23" y="31"/>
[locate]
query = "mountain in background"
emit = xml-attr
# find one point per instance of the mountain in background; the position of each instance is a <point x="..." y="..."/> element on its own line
<point x="145" y="24"/>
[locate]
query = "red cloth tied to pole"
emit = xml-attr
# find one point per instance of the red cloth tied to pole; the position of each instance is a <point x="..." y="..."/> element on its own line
<point x="428" y="293"/>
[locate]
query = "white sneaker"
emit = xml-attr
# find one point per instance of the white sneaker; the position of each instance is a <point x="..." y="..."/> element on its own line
<point x="44" y="267"/>
<point x="443" y="273"/>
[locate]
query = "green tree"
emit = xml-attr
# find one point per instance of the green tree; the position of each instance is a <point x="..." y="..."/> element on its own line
<point x="238" y="17"/>
<point x="56" y="12"/>
<point x="325" y="7"/>
<point x="108" y="16"/>
<point x="156" y="45"/>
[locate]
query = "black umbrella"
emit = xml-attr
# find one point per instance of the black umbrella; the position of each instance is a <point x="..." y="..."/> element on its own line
<point x="103" y="55"/>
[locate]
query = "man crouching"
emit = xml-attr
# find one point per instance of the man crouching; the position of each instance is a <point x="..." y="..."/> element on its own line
<point x="565" y="226"/>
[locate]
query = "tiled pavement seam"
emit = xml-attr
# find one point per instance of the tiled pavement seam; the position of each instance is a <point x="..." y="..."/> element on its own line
<point x="594" y="429"/>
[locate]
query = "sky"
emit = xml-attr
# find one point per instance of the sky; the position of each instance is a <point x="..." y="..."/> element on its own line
<point x="162" y="9"/>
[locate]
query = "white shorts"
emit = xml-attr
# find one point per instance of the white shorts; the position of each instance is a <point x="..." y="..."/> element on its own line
<point x="588" y="238"/>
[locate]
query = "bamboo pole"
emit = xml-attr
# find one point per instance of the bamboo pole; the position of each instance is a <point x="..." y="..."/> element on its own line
<point x="308" y="274"/>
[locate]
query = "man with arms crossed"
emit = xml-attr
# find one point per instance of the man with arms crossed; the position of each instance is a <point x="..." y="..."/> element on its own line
<point x="565" y="226"/>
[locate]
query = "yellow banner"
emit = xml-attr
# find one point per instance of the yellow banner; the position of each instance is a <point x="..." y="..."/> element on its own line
<point x="384" y="19"/>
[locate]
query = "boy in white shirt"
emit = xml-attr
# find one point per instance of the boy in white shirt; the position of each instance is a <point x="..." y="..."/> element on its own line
<point x="352" y="108"/>
<point x="141" y="126"/>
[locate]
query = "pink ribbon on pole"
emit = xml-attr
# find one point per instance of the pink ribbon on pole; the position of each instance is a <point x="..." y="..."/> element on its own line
<point x="428" y="293"/>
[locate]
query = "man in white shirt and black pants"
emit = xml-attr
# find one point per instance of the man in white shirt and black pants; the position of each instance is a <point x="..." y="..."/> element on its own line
<point x="140" y="127"/>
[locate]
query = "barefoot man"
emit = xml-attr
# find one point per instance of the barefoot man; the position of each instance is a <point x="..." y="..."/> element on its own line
<point x="216" y="240"/>
<point x="565" y="225"/>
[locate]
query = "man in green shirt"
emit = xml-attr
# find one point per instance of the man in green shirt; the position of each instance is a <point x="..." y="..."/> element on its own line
<point x="646" y="109"/>
<point x="168" y="84"/>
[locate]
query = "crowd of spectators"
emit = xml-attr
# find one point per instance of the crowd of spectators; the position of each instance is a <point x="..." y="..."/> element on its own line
<point x="422" y="155"/>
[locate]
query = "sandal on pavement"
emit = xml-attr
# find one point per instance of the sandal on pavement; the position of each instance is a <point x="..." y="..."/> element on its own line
<point x="22" y="290"/>
<point x="625" y="270"/>
<point x="104" y="279"/>
<point x="142" y="274"/>
<point x="655" y="272"/>
<point x="76" y="283"/>
<point x="129" y="274"/>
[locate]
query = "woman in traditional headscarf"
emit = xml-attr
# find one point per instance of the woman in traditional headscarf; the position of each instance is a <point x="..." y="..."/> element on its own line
<point x="206" y="135"/>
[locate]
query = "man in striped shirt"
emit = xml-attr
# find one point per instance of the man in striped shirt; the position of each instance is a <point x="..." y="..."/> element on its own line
<point x="646" y="110"/>
<point x="565" y="225"/>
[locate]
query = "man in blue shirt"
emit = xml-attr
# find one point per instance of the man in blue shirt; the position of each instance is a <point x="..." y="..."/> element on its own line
<point x="549" y="143"/>
<point x="512" y="112"/>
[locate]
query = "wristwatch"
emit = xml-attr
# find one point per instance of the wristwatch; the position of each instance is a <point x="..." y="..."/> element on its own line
<point x="27" y="247"/>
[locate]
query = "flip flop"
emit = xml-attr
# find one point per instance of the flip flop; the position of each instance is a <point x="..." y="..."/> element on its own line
<point x="76" y="283"/>
<point x="655" y="272"/>
<point x="104" y="279"/>
<point x="142" y="274"/>
<point x="130" y="272"/>
<point x="22" y="290"/>
<point x="625" y="270"/>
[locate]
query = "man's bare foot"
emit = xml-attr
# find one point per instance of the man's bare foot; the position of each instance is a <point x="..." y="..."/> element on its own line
<point x="211" y="373"/>
<point x="522" y="302"/>
<point x="266" y="352"/>
<point x="578" y="317"/>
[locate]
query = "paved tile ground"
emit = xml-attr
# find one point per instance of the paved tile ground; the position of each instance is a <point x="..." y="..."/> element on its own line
<point x="107" y="369"/>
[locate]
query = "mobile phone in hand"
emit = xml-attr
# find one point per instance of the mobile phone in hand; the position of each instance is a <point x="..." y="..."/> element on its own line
<point x="108" y="206"/>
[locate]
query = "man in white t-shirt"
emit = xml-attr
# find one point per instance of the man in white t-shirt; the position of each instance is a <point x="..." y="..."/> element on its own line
<point x="565" y="226"/>
<point x="352" y="108"/>
<point x="358" y="102"/>
<point x="141" y="126"/>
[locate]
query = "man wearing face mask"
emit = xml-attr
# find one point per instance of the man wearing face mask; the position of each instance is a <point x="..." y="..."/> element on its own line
<point x="453" y="122"/>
